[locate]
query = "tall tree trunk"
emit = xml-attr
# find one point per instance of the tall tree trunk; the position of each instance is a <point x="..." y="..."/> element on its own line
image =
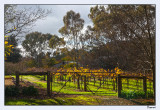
<point x="152" y="54"/>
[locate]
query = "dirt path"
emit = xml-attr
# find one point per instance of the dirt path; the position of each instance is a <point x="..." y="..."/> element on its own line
<point x="8" y="82"/>
<point x="105" y="100"/>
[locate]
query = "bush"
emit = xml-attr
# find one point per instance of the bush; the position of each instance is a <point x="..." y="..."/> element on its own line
<point x="11" y="91"/>
<point x="51" y="62"/>
<point x="135" y="94"/>
<point x="139" y="94"/>
<point x="29" y="91"/>
<point x="70" y="65"/>
<point x="150" y="94"/>
<point x="31" y="63"/>
<point x="132" y="94"/>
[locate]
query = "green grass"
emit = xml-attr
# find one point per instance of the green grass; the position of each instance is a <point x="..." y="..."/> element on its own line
<point x="71" y="87"/>
<point x="31" y="102"/>
<point x="83" y="98"/>
<point x="129" y="94"/>
<point x="132" y="85"/>
<point x="76" y="100"/>
<point x="7" y="77"/>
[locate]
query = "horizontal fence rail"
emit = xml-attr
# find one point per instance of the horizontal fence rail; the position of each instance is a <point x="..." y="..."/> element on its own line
<point x="143" y="82"/>
<point x="33" y="73"/>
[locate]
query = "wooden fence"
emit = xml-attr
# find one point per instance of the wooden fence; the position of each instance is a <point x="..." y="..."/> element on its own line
<point x="36" y="73"/>
<point x="116" y="82"/>
<point x="131" y="77"/>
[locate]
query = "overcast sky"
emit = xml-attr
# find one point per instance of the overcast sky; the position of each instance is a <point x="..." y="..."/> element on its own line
<point x="54" y="21"/>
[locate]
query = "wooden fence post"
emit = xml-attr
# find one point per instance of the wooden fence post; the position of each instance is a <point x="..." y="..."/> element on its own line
<point x="144" y="86"/>
<point x="48" y="83"/>
<point x="17" y="79"/>
<point x="85" y="84"/>
<point x="119" y="82"/>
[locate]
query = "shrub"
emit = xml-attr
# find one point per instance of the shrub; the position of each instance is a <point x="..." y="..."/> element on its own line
<point x="70" y="65"/>
<point x="132" y="94"/>
<point x="150" y="94"/>
<point x="29" y="91"/>
<point x="11" y="91"/>
<point x="31" y="63"/>
<point x="139" y="94"/>
<point x="66" y="58"/>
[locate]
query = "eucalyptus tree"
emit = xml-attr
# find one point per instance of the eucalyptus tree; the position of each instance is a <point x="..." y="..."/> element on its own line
<point x="138" y="26"/>
<point x="56" y="44"/>
<point x="73" y="25"/>
<point x="38" y="44"/>
<point x="129" y="26"/>
<point x="35" y="45"/>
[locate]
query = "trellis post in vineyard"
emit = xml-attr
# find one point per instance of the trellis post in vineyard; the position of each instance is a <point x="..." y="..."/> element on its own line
<point x="94" y="80"/>
<point x="74" y="78"/>
<point x="103" y="80"/>
<point x="65" y="79"/>
<point x="100" y="81"/>
<point x="81" y="81"/>
<point x="78" y="84"/>
<point x="107" y="82"/>
<point x="85" y="84"/>
<point x="44" y="78"/>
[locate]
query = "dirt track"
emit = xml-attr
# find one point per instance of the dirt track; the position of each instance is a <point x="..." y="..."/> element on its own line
<point x="8" y="82"/>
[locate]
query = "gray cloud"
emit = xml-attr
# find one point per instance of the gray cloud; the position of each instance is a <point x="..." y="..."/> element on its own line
<point x="53" y="22"/>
